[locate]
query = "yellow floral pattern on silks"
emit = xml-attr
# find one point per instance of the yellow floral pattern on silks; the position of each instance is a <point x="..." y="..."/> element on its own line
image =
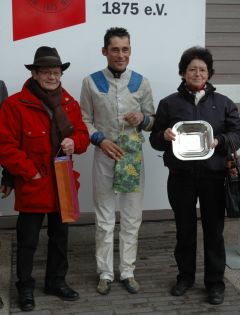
<point x="128" y="168"/>
<point x="135" y="137"/>
<point x="131" y="170"/>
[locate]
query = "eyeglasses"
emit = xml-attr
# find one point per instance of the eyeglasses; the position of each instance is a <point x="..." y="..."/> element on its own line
<point x="48" y="73"/>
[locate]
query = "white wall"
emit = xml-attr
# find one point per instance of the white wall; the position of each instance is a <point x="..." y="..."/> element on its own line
<point x="230" y="90"/>
<point x="157" y="43"/>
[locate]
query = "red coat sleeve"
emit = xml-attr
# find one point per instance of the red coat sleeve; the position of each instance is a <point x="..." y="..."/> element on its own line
<point x="11" y="156"/>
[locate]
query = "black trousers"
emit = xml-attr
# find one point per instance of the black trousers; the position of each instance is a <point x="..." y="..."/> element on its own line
<point x="28" y="229"/>
<point x="183" y="192"/>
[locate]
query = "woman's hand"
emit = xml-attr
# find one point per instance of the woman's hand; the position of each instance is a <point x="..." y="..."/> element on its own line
<point x="214" y="144"/>
<point x="169" y="135"/>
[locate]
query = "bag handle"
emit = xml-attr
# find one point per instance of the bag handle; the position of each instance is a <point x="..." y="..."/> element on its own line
<point x="123" y="129"/>
<point x="58" y="152"/>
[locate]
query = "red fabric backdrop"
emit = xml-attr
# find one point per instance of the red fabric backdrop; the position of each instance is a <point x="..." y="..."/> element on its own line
<point x="34" y="17"/>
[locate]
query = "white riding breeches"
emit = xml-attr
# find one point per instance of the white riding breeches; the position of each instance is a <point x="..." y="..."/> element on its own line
<point x="106" y="203"/>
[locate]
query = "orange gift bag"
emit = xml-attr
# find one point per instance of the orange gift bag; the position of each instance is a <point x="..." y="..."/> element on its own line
<point x="67" y="191"/>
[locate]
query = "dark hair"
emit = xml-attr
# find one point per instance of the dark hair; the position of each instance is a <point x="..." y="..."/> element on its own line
<point x="115" y="31"/>
<point x="196" y="52"/>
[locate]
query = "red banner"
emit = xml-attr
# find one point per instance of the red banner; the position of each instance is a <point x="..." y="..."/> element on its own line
<point x="34" y="17"/>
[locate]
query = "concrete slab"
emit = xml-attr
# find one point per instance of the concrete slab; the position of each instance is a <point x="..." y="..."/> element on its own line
<point x="156" y="271"/>
<point x="233" y="256"/>
<point x="5" y="270"/>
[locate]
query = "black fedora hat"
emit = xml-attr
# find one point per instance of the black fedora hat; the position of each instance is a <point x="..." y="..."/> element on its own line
<point x="47" y="57"/>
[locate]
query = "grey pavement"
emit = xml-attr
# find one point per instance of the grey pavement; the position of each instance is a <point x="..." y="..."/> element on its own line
<point x="155" y="270"/>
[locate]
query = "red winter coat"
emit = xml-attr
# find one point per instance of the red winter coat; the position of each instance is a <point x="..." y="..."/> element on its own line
<point x="25" y="148"/>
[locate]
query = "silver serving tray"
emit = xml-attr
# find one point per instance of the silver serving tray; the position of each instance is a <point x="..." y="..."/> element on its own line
<point x="193" y="140"/>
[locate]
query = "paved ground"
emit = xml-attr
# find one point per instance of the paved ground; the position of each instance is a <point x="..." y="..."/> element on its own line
<point x="156" y="271"/>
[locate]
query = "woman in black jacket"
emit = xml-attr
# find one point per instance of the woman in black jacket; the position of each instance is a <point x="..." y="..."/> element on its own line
<point x="190" y="180"/>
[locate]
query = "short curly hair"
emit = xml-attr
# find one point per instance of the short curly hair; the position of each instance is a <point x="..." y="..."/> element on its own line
<point x="196" y="52"/>
<point x="115" y="31"/>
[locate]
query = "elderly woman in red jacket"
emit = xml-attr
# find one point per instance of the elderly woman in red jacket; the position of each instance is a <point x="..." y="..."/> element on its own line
<point x="35" y="123"/>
